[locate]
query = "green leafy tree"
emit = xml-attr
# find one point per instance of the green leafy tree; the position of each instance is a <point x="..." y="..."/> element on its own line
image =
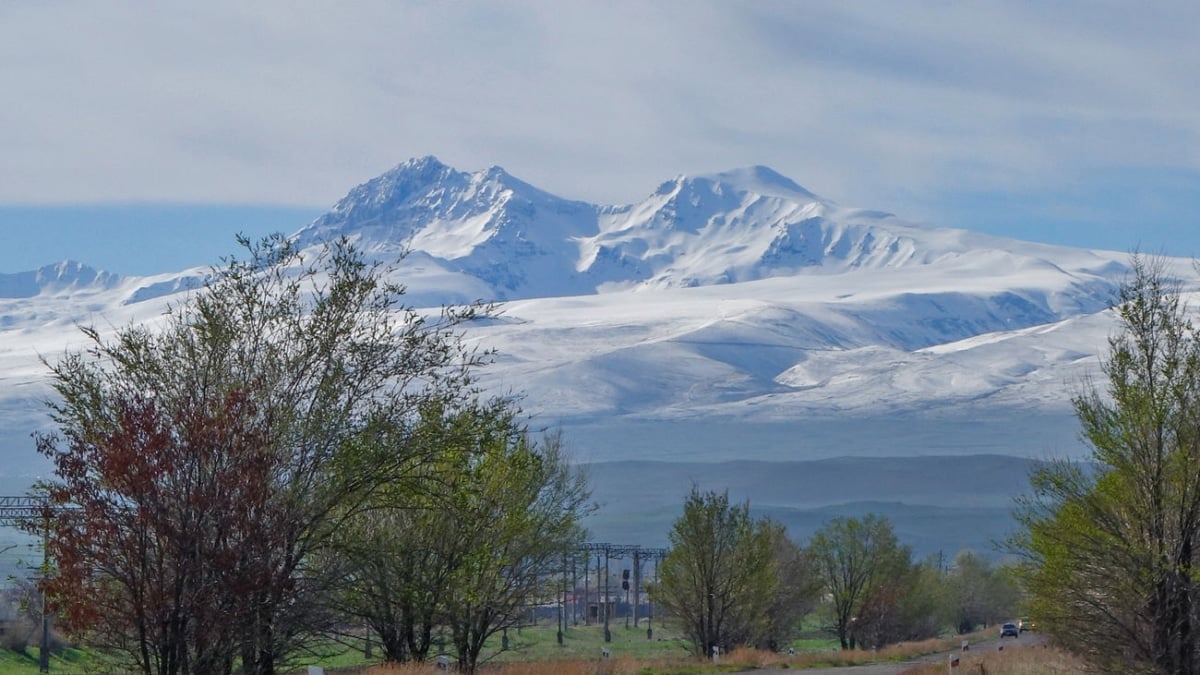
<point x="1112" y="544"/>
<point x="397" y="555"/>
<point x="720" y="577"/>
<point x="976" y="593"/>
<point x="515" y="518"/>
<point x="858" y="562"/>
<point x="476" y="546"/>
<point x="796" y="593"/>
<point x="210" y="456"/>
<point x="920" y="611"/>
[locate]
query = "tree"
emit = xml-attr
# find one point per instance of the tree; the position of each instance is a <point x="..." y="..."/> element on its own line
<point x="515" y="521"/>
<point x="720" y="577"/>
<point x="398" y="555"/>
<point x="796" y="593"/>
<point x="856" y="560"/>
<point x="209" y="460"/>
<point x="977" y="593"/>
<point x="478" y="546"/>
<point x="1111" y="545"/>
<point x="920" y="615"/>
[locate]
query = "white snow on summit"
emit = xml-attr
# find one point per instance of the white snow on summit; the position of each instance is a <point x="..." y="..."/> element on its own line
<point x="729" y="227"/>
<point x="515" y="238"/>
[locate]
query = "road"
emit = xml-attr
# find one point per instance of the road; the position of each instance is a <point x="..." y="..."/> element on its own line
<point x="1025" y="641"/>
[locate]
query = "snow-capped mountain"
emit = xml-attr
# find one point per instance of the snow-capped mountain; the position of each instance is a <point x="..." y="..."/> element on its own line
<point x="60" y="278"/>
<point x="514" y="238"/>
<point x="521" y="242"/>
<point x="735" y="298"/>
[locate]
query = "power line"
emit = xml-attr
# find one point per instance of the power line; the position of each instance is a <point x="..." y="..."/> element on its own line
<point x="15" y="511"/>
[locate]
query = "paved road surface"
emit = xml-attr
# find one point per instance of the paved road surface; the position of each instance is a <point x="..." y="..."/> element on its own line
<point x="1026" y="640"/>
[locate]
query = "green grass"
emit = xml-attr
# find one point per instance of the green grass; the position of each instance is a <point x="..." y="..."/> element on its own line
<point x="531" y="644"/>
<point x="70" y="661"/>
<point x="540" y="643"/>
<point x="815" y="644"/>
<point x="535" y="643"/>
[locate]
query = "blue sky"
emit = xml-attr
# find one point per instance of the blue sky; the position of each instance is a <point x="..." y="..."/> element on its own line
<point x="140" y="137"/>
<point x="137" y="238"/>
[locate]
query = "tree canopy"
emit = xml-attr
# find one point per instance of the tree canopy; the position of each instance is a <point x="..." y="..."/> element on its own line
<point x="860" y="563"/>
<point x="1111" y="544"/>
<point x="721" y="579"/>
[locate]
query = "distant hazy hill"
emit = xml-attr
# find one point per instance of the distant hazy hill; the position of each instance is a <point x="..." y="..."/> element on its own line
<point x="936" y="503"/>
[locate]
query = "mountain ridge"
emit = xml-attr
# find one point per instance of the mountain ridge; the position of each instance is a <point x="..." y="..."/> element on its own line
<point x="719" y="228"/>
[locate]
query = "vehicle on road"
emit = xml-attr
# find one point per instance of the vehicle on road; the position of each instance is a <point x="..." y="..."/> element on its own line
<point x="1009" y="629"/>
<point x="1026" y="624"/>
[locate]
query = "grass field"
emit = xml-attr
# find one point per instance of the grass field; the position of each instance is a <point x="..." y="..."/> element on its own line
<point x="69" y="662"/>
<point x="540" y="643"/>
<point x="534" y="650"/>
<point x="673" y="664"/>
<point x="537" y="653"/>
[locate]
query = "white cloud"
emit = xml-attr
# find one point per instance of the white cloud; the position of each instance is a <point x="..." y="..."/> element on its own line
<point x="866" y="102"/>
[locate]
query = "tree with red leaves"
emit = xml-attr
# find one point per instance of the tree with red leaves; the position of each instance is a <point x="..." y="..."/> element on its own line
<point x="208" y="462"/>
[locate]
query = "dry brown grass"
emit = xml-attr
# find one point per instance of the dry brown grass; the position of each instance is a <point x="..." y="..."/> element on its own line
<point x="1025" y="661"/>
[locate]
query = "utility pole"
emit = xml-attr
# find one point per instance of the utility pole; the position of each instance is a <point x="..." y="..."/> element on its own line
<point x="562" y="607"/>
<point x="637" y="582"/>
<point x="19" y="510"/>
<point x="650" y="606"/>
<point x="604" y="599"/>
<point x="607" y="574"/>
<point x="44" y="652"/>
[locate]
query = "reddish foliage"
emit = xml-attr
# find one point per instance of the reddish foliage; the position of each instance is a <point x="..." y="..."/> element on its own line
<point x="171" y="528"/>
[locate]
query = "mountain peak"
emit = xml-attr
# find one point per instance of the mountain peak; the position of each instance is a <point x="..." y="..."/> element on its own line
<point x="761" y="180"/>
<point x="419" y="164"/>
<point x="71" y="272"/>
<point x="63" y="275"/>
<point x="411" y="175"/>
<point x="485" y="223"/>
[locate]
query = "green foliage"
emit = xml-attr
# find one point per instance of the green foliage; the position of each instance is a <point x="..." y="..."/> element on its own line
<point x="481" y="540"/>
<point x="797" y="591"/>
<point x="863" y="569"/>
<point x="1111" y="547"/>
<point x="721" y="577"/>
<point x="974" y="593"/>
<point x="519" y="520"/>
